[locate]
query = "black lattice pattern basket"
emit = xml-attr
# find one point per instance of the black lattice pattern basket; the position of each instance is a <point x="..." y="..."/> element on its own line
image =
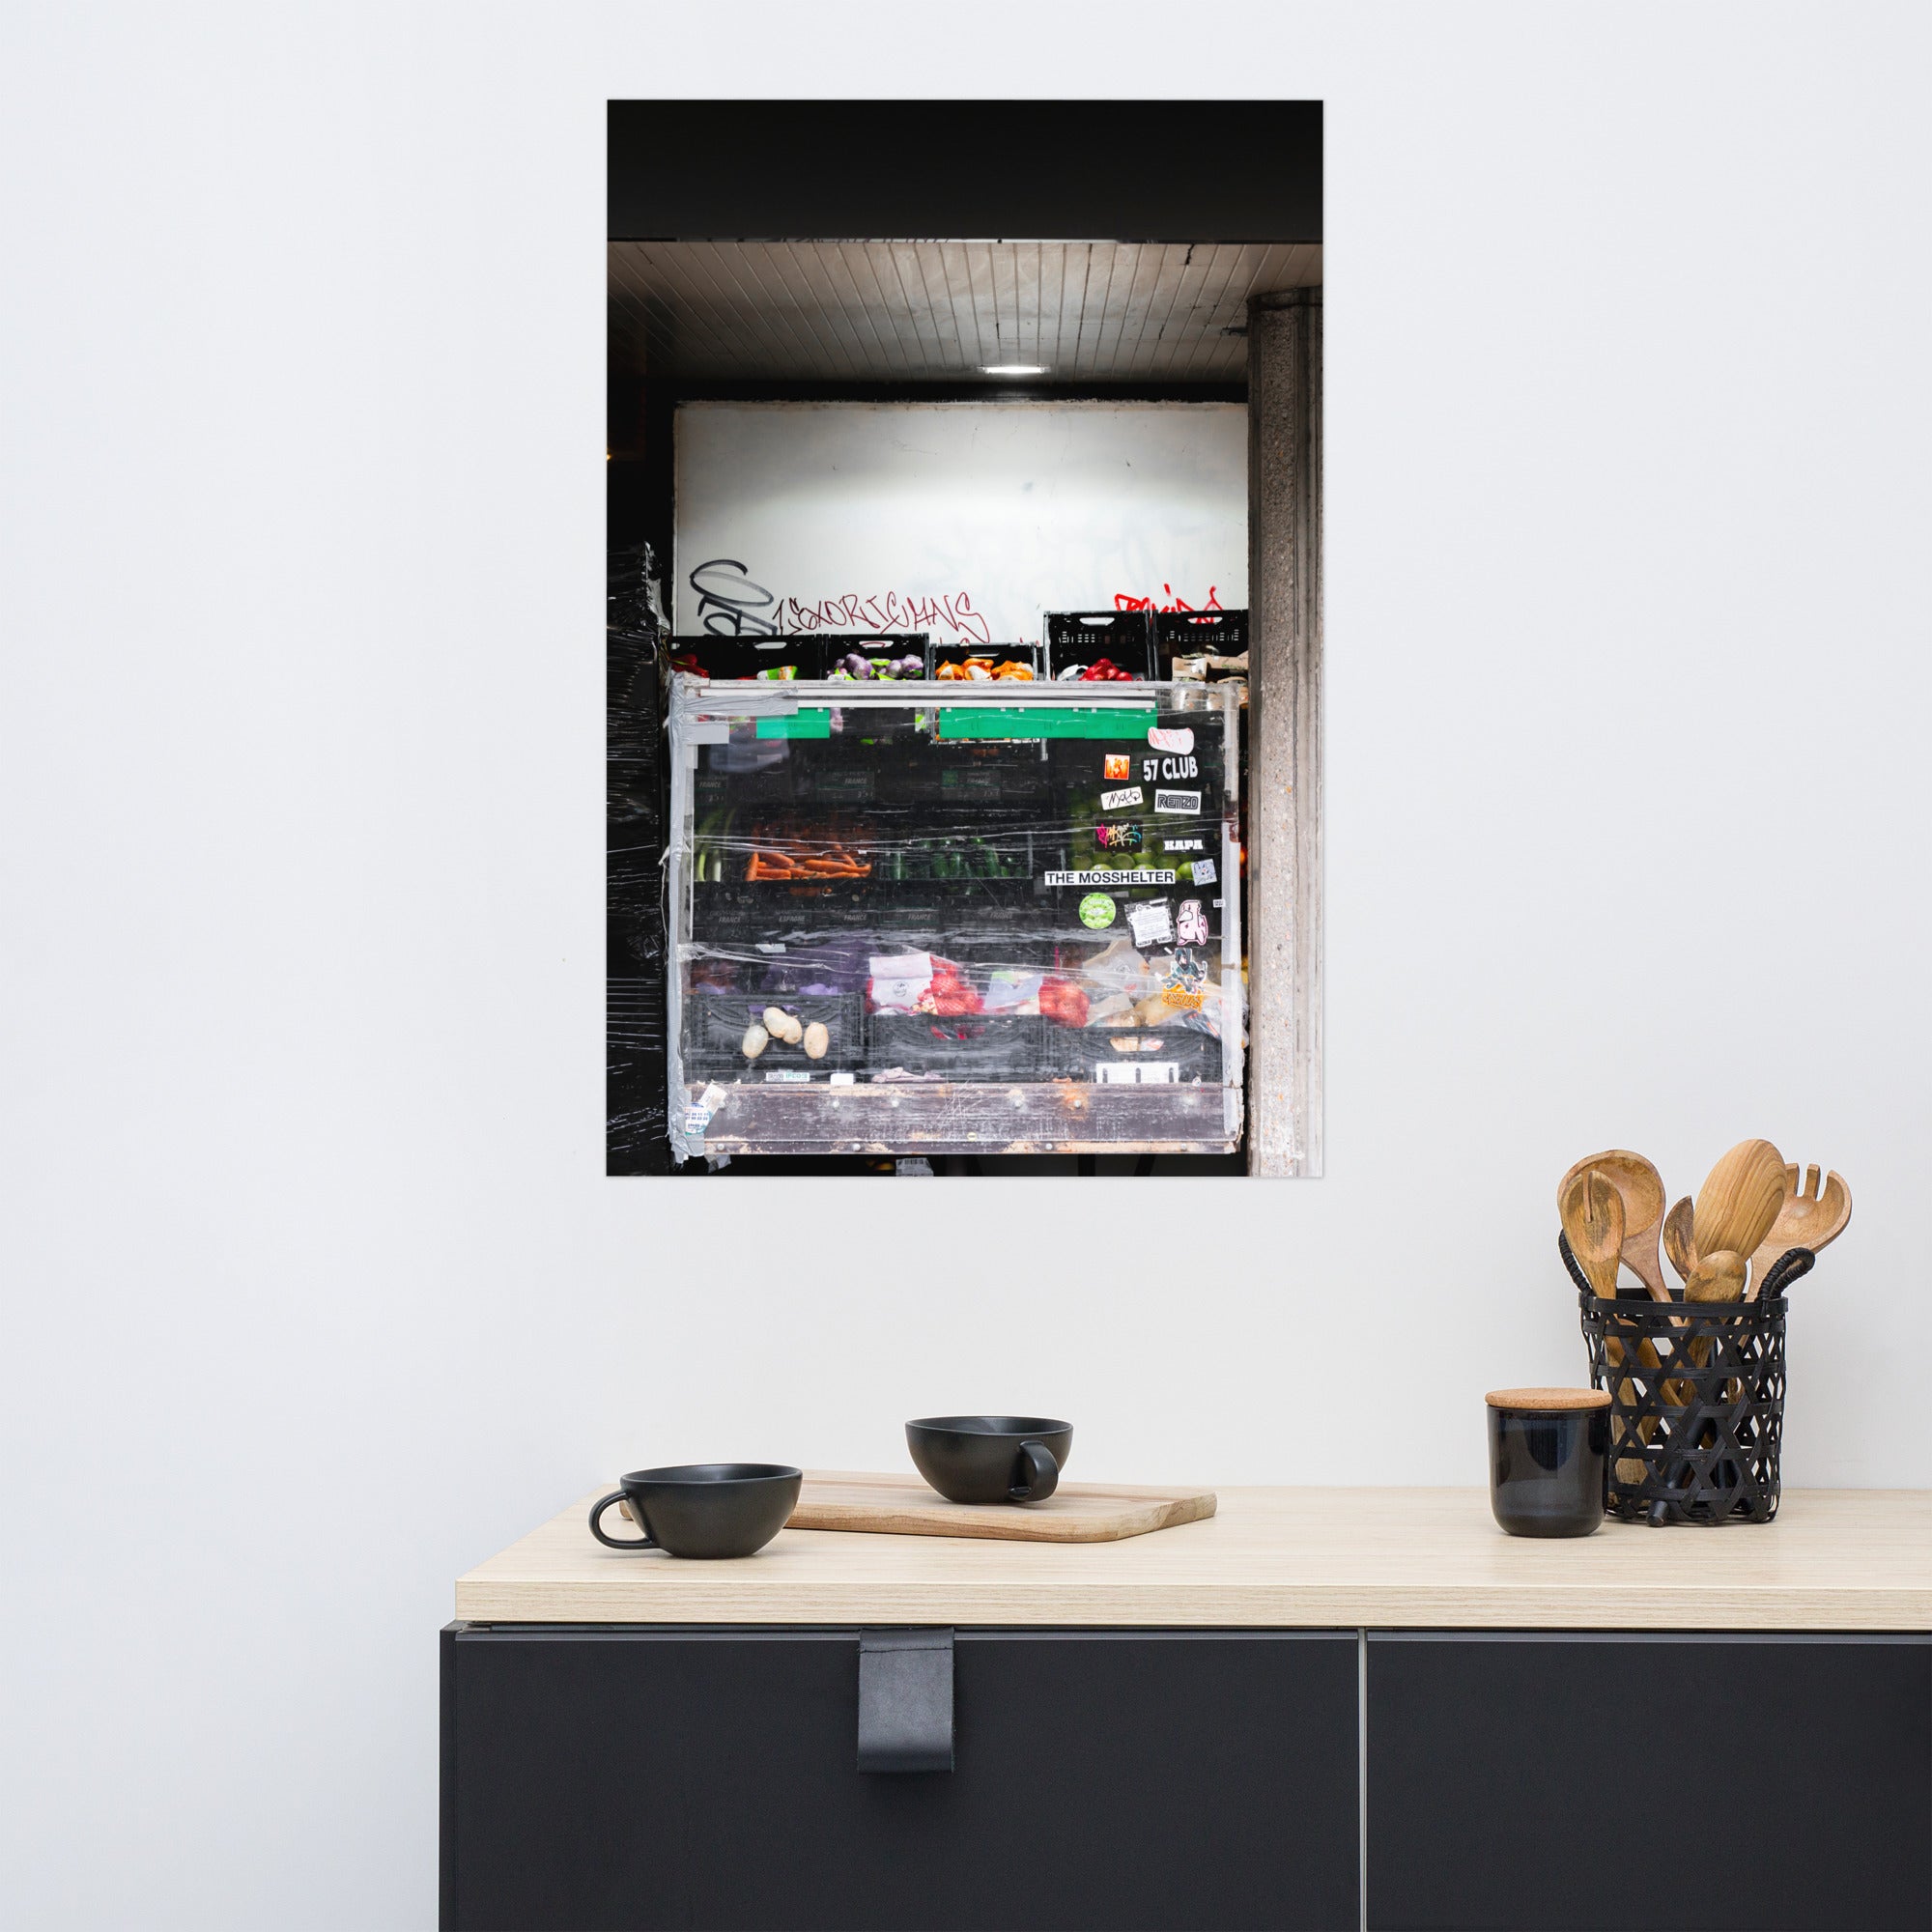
<point x="1696" y="1405"/>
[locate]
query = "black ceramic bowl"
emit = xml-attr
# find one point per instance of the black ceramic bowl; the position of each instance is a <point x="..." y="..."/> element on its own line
<point x="990" y="1458"/>
<point x="1548" y="1451"/>
<point x="704" y="1509"/>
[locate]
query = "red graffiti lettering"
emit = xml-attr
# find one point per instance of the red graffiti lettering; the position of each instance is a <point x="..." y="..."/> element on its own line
<point x="1126" y="601"/>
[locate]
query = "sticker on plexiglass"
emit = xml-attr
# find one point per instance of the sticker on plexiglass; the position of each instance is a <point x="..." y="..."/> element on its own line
<point x="695" y="1120"/>
<point x="1101" y="875"/>
<point x="1188" y="801"/>
<point x="1153" y="769"/>
<point x="1115" y="766"/>
<point x="1097" y="910"/>
<point x="1189" y="975"/>
<point x="1182" y="844"/>
<point x="1203" y="871"/>
<point x="1190" y="924"/>
<point x="1171" y="741"/>
<point x="1118" y="838"/>
<point x="1119" y="801"/>
<point x="1151" y="923"/>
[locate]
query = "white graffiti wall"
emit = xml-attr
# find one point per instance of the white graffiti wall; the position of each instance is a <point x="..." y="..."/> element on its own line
<point x="966" y="520"/>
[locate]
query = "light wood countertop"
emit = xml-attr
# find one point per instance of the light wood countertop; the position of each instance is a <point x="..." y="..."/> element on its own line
<point x="1835" y="1559"/>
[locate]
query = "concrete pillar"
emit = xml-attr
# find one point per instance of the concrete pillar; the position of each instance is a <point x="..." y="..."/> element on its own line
<point x="1285" y="733"/>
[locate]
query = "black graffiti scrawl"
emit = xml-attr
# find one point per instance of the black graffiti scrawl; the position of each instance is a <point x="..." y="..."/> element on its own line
<point x="730" y="605"/>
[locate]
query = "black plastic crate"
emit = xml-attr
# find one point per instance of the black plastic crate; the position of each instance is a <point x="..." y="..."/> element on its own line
<point x="1033" y="656"/>
<point x="971" y="1046"/>
<point x="878" y="648"/>
<point x="714" y="1026"/>
<point x="1084" y="636"/>
<point x="1136" y="1055"/>
<point x="1195" y="633"/>
<point x="734" y="660"/>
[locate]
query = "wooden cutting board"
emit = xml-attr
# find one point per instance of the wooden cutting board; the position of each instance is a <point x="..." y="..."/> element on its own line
<point x="1075" y="1513"/>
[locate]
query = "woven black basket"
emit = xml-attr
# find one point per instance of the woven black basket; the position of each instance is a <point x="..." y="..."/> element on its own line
<point x="1696" y="1401"/>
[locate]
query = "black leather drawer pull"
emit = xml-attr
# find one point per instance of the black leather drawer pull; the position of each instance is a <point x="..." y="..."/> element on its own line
<point x="905" y="1700"/>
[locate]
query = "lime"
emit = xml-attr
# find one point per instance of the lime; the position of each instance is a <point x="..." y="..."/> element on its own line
<point x="1097" y="909"/>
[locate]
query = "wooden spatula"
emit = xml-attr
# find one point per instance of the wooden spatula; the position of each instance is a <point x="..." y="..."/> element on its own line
<point x="1738" y="1200"/>
<point x="1808" y="1217"/>
<point x="1641" y="1189"/>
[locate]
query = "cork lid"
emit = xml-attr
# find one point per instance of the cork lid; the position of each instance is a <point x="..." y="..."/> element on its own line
<point x="1548" y="1401"/>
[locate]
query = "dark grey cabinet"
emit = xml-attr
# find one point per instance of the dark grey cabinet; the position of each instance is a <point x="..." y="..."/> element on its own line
<point x="608" y="1778"/>
<point x="1577" y="1783"/>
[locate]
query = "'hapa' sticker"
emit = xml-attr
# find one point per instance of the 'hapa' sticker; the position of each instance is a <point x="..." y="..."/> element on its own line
<point x="1171" y="741"/>
<point x="1119" y="801"/>
<point x="1190" y="924"/>
<point x="1117" y="765"/>
<point x="1187" y="802"/>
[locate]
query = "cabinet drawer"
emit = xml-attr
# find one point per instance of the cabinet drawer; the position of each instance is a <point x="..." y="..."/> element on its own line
<point x="1710" y="1783"/>
<point x="620" y="1777"/>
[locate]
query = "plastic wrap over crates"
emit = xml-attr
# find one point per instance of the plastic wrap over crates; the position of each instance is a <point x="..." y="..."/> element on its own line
<point x="961" y="918"/>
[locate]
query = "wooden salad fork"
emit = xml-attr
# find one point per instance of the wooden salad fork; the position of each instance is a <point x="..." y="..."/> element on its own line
<point x="1810" y="1215"/>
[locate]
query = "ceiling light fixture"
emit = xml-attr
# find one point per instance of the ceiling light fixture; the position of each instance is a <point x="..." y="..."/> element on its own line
<point x="1012" y="369"/>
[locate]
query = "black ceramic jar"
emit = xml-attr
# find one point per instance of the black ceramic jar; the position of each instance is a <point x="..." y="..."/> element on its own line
<point x="1548" y="1457"/>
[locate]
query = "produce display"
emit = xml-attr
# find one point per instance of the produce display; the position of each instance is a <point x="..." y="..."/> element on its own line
<point x="1103" y="670"/>
<point x="949" y="896"/>
<point x="973" y="670"/>
<point x="859" y="668"/>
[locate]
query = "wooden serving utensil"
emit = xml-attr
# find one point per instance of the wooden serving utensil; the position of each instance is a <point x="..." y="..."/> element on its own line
<point x="1739" y="1201"/>
<point x="1680" y="1242"/>
<point x="1717" y="1277"/>
<point x="1808" y="1217"/>
<point x="1592" y="1211"/>
<point x="1641" y="1189"/>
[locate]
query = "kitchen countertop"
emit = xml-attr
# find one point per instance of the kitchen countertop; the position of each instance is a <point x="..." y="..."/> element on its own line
<point x="1834" y="1560"/>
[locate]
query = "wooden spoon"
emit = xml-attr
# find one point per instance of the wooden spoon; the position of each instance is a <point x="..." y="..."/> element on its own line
<point x="1738" y="1200"/>
<point x="1680" y="1242"/>
<point x="1808" y="1217"/>
<point x="1717" y="1277"/>
<point x="1593" y="1218"/>
<point x="1641" y="1187"/>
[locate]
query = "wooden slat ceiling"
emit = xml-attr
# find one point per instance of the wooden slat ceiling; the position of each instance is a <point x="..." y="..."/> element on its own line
<point x="937" y="311"/>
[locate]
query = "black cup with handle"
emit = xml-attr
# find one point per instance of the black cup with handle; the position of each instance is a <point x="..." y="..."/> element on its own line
<point x="990" y="1458"/>
<point x="702" y="1509"/>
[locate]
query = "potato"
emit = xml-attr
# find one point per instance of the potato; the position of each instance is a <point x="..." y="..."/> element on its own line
<point x="784" y="1026"/>
<point x="756" y="1040"/>
<point x="816" y="1041"/>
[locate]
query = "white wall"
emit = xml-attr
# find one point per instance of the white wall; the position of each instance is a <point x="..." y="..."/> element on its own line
<point x="963" y="520"/>
<point x="314" y="1295"/>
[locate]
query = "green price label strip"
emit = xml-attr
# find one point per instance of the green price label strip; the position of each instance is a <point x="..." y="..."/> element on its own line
<point x="807" y="723"/>
<point x="1044" y="721"/>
